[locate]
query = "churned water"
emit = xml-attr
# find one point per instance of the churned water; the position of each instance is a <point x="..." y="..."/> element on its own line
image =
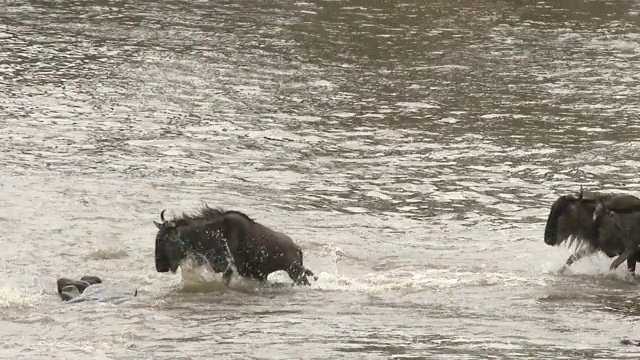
<point x="412" y="149"/>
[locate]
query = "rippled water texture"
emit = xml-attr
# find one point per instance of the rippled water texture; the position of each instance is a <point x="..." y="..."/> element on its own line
<point x="412" y="149"/>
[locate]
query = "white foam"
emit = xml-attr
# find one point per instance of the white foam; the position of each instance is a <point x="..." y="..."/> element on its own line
<point x="191" y="274"/>
<point x="447" y="120"/>
<point x="426" y="279"/>
<point x="417" y="105"/>
<point x="11" y="297"/>
<point x="422" y="280"/>
<point x="201" y="278"/>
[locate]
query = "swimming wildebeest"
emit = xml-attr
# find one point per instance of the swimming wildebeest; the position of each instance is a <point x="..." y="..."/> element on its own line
<point x="91" y="288"/>
<point x="618" y="233"/>
<point x="571" y="218"/>
<point x="69" y="288"/>
<point x="228" y="239"/>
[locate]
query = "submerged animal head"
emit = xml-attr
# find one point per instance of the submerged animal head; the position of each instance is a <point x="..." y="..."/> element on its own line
<point x="171" y="245"/>
<point x="570" y="218"/>
<point x="184" y="235"/>
<point x="69" y="292"/>
<point x="69" y="288"/>
<point x="65" y="282"/>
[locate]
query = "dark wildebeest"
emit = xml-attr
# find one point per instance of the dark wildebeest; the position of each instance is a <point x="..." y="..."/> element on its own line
<point x="571" y="218"/>
<point x="618" y="233"/>
<point x="69" y="288"/>
<point x="228" y="239"/>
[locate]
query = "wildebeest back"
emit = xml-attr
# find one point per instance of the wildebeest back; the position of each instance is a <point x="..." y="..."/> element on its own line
<point x="623" y="203"/>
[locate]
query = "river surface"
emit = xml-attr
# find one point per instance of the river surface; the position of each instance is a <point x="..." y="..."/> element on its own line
<point x="412" y="149"/>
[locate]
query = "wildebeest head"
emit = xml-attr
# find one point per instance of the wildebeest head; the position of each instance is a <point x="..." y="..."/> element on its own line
<point x="69" y="288"/>
<point x="180" y="236"/>
<point x="570" y="218"/>
<point x="169" y="248"/>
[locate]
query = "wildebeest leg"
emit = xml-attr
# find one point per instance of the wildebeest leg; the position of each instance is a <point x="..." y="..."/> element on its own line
<point x="261" y="277"/>
<point x="310" y="273"/>
<point x="298" y="274"/>
<point x="226" y="276"/>
<point x="302" y="280"/>
<point x="221" y="261"/>
<point x="585" y="250"/>
<point x="228" y="270"/>
<point x="631" y="264"/>
<point x="620" y="259"/>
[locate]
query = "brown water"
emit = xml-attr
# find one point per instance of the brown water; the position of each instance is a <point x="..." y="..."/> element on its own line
<point x="411" y="148"/>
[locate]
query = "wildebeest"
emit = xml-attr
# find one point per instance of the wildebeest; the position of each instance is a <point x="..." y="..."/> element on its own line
<point x="228" y="239"/>
<point x="617" y="233"/>
<point x="69" y="288"/>
<point x="571" y="218"/>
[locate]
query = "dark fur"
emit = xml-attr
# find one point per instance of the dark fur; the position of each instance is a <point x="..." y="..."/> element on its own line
<point x="571" y="218"/>
<point x="630" y="342"/>
<point x="66" y="286"/>
<point x="226" y="239"/>
<point x="617" y="233"/>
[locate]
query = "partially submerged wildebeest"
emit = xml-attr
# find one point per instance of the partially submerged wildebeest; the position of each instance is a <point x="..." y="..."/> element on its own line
<point x="91" y="288"/>
<point x="69" y="288"/>
<point x="571" y="218"/>
<point x="228" y="239"/>
<point x="618" y="233"/>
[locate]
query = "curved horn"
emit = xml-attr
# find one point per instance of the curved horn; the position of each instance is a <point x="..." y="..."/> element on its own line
<point x="162" y="215"/>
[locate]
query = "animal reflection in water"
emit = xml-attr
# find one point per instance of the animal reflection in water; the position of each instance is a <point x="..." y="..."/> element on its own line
<point x="573" y="218"/>
<point x="228" y="240"/>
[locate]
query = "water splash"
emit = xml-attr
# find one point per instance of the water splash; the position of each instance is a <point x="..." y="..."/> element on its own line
<point x="420" y="280"/>
<point x="11" y="297"/>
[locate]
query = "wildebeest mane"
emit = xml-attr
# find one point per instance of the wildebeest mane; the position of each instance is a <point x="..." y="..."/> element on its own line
<point x="206" y="213"/>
